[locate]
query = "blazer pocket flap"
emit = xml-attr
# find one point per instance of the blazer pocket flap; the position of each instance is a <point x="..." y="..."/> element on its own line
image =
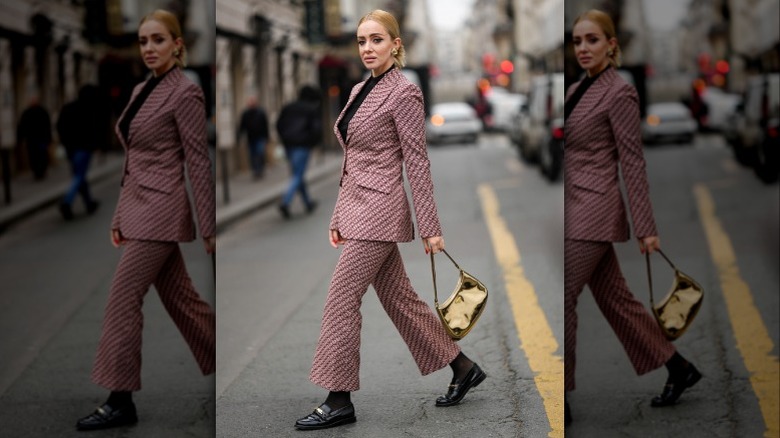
<point x="590" y="181"/>
<point x="373" y="181"/>
<point x="156" y="181"/>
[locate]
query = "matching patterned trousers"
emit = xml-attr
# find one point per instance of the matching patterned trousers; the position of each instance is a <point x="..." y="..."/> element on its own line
<point x="595" y="264"/>
<point x="336" y="364"/>
<point x="143" y="264"/>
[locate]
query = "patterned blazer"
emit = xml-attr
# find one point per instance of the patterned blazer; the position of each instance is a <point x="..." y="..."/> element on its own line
<point x="602" y="131"/>
<point x="386" y="134"/>
<point x="168" y="130"/>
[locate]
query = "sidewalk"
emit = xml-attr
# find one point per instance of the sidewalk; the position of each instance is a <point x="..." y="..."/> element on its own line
<point x="29" y="196"/>
<point x="248" y="195"/>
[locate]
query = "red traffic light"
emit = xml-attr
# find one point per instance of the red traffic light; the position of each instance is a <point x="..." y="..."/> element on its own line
<point x="507" y="66"/>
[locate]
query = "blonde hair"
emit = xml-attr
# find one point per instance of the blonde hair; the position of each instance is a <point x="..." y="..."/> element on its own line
<point x="603" y="21"/>
<point x="169" y="20"/>
<point x="389" y="22"/>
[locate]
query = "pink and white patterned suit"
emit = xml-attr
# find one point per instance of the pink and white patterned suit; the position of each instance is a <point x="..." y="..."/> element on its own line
<point x="602" y="132"/>
<point x="372" y="213"/>
<point x="153" y="214"/>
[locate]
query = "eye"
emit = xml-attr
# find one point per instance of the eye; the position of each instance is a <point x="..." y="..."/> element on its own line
<point x="361" y="42"/>
<point x="377" y="40"/>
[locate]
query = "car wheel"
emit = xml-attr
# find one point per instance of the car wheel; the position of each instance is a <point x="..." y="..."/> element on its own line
<point x="526" y="155"/>
<point x="550" y="158"/>
<point x="765" y="164"/>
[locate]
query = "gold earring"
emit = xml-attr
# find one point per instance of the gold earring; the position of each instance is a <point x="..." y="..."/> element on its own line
<point x="176" y="52"/>
<point x="610" y="53"/>
<point x="394" y="52"/>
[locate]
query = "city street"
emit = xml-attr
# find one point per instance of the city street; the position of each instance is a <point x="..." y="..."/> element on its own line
<point x="733" y="342"/>
<point x="273" y="280"/>
<point x="56" y="277"/>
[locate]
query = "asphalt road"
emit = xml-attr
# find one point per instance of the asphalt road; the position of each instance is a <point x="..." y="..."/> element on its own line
<point x="55" y="282"/>
<point x="610" y="400"/>
<point x="273" y="280"/>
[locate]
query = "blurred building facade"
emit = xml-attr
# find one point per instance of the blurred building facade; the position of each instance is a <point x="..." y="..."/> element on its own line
<point x="49" y="49"/>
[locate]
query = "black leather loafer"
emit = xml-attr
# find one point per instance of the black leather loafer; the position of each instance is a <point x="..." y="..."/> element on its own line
<point x="458" y="390"/>
<point x="567" y="419"/>
<point x="106" y="417"/>
<point x="324" y="417"/>
<point x="674" y="389"/>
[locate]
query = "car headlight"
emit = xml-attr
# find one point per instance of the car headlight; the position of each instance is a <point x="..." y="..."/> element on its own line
<point x="437" y="120"/>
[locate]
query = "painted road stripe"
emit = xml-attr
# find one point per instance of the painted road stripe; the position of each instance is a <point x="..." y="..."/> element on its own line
<point x="753" y="341"/>
<point x="536" y="336"/>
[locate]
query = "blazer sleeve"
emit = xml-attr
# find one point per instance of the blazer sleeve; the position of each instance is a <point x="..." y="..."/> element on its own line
<point x="190" y="115"/>
<point x="624" y="119"/>
<point x="409" y="117"/>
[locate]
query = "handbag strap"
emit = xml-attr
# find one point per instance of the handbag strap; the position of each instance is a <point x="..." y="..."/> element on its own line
<point x="433" y="273"/>
<point x="650" y="276"/>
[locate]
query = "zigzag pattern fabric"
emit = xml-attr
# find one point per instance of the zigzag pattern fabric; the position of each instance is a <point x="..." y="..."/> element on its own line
<point x="168" y="131"/>
<point x="143" y="264"/>
<point x="596" y="264"/>
<point x="602" y="132"/>
<point x="386" y="134"/>
<point x="336" y="365"/>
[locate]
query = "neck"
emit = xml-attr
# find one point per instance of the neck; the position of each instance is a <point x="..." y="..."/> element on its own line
<point x="378" y="71"/>
<point x="162" y="70"/>
<point x="596" y="70"/>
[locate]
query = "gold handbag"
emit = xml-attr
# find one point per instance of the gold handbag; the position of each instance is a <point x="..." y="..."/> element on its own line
<point x="463" y="308"/>
<point x="676" y="311"/>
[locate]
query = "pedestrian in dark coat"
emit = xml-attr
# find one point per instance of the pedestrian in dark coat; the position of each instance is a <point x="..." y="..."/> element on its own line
<point x="254" y="123"/>
<point x="80" y="128"/>
<point x="300" y="129"/>
<point x="34" y="132"/>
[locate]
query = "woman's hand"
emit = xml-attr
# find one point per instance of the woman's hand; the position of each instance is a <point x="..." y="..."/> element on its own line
<point x="116" y="238"/>
<point x="434" y="244"/>
<point x="335" y="238"/>
<point x="649" y="244"/>
<point x="211" y="244"/>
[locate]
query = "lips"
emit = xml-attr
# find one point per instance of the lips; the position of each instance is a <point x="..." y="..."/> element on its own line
<point x="585" y="59"/>
<point x="150" y="59"/>
<point x="369" y="59"/>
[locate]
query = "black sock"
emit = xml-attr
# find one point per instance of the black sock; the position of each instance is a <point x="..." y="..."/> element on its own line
<point x="338" y="399"/>
<point x="461" y="366"/>
<point x="117" y="399"/>
<point x="676" y="365"/>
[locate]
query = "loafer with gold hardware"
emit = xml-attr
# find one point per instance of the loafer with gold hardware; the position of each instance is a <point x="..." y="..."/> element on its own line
<point x="675" y="387"/>
<point x="106" y="417"/>
<point x="458" y="389"/>
<point x="324" y="417"/>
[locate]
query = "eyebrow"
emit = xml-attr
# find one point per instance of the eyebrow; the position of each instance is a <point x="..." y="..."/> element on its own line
<point x="586" y="35"/>
<point x="373" y="34"/>
<point x="153" y="35"/>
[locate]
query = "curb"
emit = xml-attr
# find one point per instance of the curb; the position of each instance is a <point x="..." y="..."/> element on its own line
<point x="230" y="214"/>
<point x="51" y="196"/>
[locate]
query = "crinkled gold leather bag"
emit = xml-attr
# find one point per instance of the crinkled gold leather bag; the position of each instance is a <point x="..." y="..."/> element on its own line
<point x="463" y="308"/>
<point x="676" y="311"/>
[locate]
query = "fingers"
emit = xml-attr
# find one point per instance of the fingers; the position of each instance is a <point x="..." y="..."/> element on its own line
<point x="433" y="244"/>
<point x="211" y="244"/>
<point x="116" y="238"/>
<point x="335" y="238"/>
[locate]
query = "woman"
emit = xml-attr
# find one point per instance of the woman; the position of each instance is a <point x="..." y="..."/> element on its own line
<point x="381" y="129"/>
<point x="162" y="129"/>
<point x="602" y="131"/>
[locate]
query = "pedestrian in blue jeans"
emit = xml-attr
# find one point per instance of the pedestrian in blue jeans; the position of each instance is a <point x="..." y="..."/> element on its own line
<point x="255" y="124"/>
<point x="300" y="129"/>
<point x="81" y="126"/>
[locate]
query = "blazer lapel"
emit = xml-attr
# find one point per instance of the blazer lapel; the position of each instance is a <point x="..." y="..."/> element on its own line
<point x="155" y="101"/>
<point x="373" y="101"/>
<point x="592" y="97"/>
<point x="352" y="96"/>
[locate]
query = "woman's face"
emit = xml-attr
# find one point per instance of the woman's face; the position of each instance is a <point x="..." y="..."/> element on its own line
<point x="591" y="46"/>
<point x="376" y="46"/>
<point x="157" y="46"/>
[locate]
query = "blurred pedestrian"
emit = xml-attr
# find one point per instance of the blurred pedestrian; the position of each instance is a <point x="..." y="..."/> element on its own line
<point x="255" y="124"/>
<point x="162" y="129"/>
<point x="300" y="129"/>
<point x="382" y="130"/>
<point x="79" y="127"/>
<point x="603" y="133"/>
<point x="34" y="132"/>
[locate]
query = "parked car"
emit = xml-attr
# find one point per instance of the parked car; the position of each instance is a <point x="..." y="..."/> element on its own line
<point x="721" y="106"/>
<point x="668" y="121"/>
<point x="531" y="126"/>
<point x="503" y="104"/>
<point x="551" y="152"/>
<point x="453" y="120"/>
<point x="753" y="131"/>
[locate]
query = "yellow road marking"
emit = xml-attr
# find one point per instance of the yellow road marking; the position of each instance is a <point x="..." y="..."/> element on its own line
<point x="533" y="330"/>
<point x="753" y="341"/>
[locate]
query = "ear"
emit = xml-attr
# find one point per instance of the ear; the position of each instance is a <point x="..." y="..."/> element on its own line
<point x="397" y="43"/>
<point x="179" y="42"/>
<point x="613" y="43"/>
